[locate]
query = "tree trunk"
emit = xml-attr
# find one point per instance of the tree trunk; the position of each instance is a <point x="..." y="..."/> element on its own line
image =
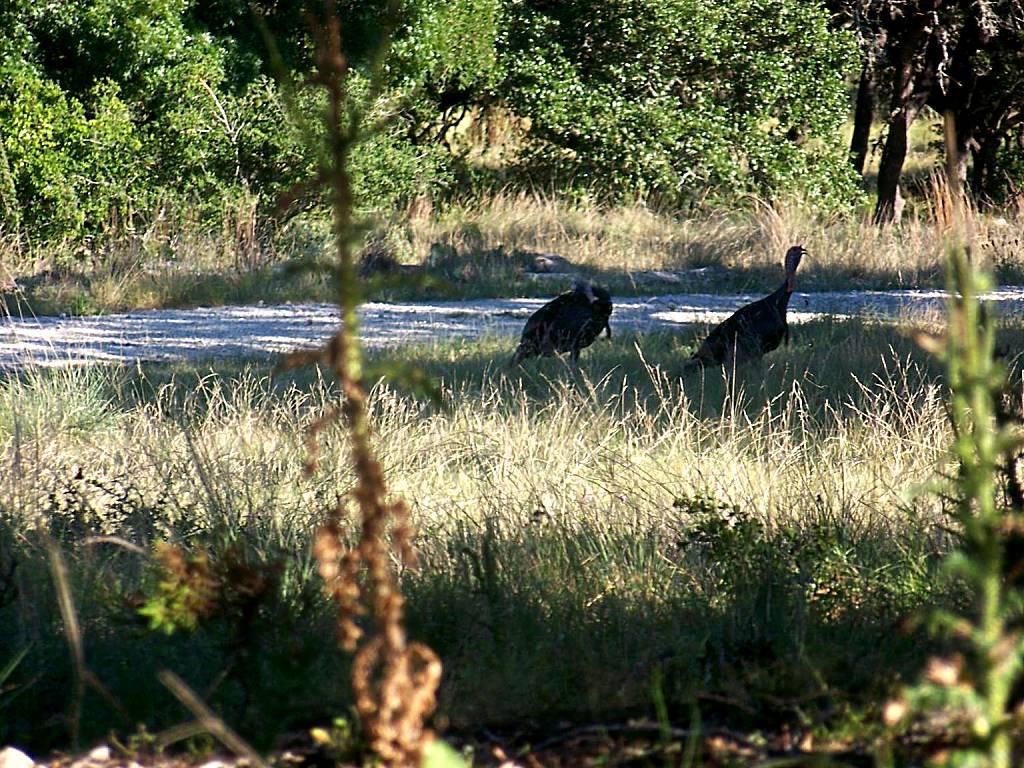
<point x="912" y="82"/>
<point x="963" y="139"/>
<point x="891" y="166"/>
<point x="962" y="154"/>
<point x="956" y="94"/>
<point x="863" y="113"/>
<point x="985" y="152"/>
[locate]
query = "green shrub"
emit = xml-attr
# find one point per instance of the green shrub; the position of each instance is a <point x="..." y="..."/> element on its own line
<point x="39" y="123"/>
<point x="681" y="97"/>
<point x="69" y="169"/>
<point x="110" y="108"/>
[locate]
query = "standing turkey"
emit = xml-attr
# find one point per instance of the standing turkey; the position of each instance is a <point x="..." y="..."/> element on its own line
<point x="753" y="329"/>
<point x="567" y="323"/>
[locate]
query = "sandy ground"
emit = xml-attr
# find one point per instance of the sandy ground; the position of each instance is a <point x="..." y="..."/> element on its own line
<point x="261" y="330"/>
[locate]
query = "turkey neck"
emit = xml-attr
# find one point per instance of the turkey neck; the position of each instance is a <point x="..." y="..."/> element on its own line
<point x="781" y="297"/>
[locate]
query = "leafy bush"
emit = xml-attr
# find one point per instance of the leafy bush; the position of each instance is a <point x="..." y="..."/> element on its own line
<point x="68" y="168"/>
<point x="85" y="111"/>
<point x="111" y="108"/>
<point x="814" y="560"/>
<point x="1005" y="187"/>
<point x="36" y="118"/>
<point x="679" y="97"/>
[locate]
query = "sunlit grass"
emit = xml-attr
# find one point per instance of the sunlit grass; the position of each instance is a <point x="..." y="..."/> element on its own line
<point x="481" y="247"/>
<point x="746" y="246"/>
<point x="577" y="529"/>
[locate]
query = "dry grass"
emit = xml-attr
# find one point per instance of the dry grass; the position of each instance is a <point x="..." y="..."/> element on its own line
<point x="807" y="430"/>
<point x="553" y="510"/>
<point x="476" y="248"/>
<point x="626" y="450"/>
<point x="846" y="251"/>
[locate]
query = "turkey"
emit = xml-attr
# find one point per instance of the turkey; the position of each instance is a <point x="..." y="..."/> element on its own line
<point x="567" y="323"/>
<point x="754" y="329"/>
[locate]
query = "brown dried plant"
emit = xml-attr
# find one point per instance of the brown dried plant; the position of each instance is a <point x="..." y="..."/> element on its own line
<point x="394" y="679"/>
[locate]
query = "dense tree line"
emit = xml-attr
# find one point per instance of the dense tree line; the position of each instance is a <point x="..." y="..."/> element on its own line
<point x="962" y="57"/>
<point x="114" y="110"/>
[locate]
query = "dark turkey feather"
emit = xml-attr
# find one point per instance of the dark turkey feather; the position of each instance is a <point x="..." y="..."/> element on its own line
<point x="756" y="328"/>
<point x="568" y="323"/>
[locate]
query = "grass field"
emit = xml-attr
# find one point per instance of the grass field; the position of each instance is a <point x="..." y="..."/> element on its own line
<point x="758" y="545"/>
<point x="764" y="551"/>
<point x="480" y="249"/>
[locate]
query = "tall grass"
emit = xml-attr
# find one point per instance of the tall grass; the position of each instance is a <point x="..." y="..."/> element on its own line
<point x="847" y="250"/>
<point x="754" y="537"/>
<point x="480" y="247"/>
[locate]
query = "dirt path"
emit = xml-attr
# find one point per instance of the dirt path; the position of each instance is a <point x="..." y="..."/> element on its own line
<point x="255" y="330"/>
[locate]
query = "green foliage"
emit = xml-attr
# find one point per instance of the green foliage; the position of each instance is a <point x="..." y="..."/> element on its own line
<point x="729" y="540"/>
<point x="268" y="154"/>
<point x="446" y="44"/>
<point x="809" y="561"/>
<point x="127" y="41"/>
<point x="681" y="97"/>
<point x="388" y="170"/>
<point x="185" y="591"/>
<point x="38" y="122"/>
<point x="86" y="113"/>
<point x="112" y="109"/>
<point x="344" y="742"/>
<point x="976" y="691"/>
<point x="16" y="42"/>
<point x="191" y="587"/>
<point x="439" y="754"/>
<point x="108" y="108"/>
<point x="1005" y="185"/>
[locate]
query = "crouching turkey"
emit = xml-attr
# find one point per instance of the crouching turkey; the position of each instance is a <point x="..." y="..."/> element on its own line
<point x="567" y="323"/>
<point x="754" y="329"/>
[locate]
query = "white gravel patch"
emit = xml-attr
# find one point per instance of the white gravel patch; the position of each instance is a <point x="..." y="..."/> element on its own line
<point x="172" y="334"/>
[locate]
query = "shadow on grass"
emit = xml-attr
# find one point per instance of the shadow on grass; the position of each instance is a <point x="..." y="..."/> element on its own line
<point x="78" y="293"/>
<point x="534" y="619"/>
<point x="538" y="613"/>
<point x="831" y="360"/>
<point x="699" y="268"/>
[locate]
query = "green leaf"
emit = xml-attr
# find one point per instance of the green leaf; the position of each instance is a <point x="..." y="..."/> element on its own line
<point x="440" y="754"/>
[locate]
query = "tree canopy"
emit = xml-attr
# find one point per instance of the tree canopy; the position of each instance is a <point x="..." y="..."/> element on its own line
<point x="962" y="57"/>
<point x="112" y="110"/>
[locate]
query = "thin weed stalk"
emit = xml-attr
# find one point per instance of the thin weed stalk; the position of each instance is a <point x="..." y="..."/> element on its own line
<point x="74" y="637"/>
<point x="394" y="680"/>
<point x="83" y="676"/>
<point x="974" y="382"/>
<point x="208" y="720"/>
